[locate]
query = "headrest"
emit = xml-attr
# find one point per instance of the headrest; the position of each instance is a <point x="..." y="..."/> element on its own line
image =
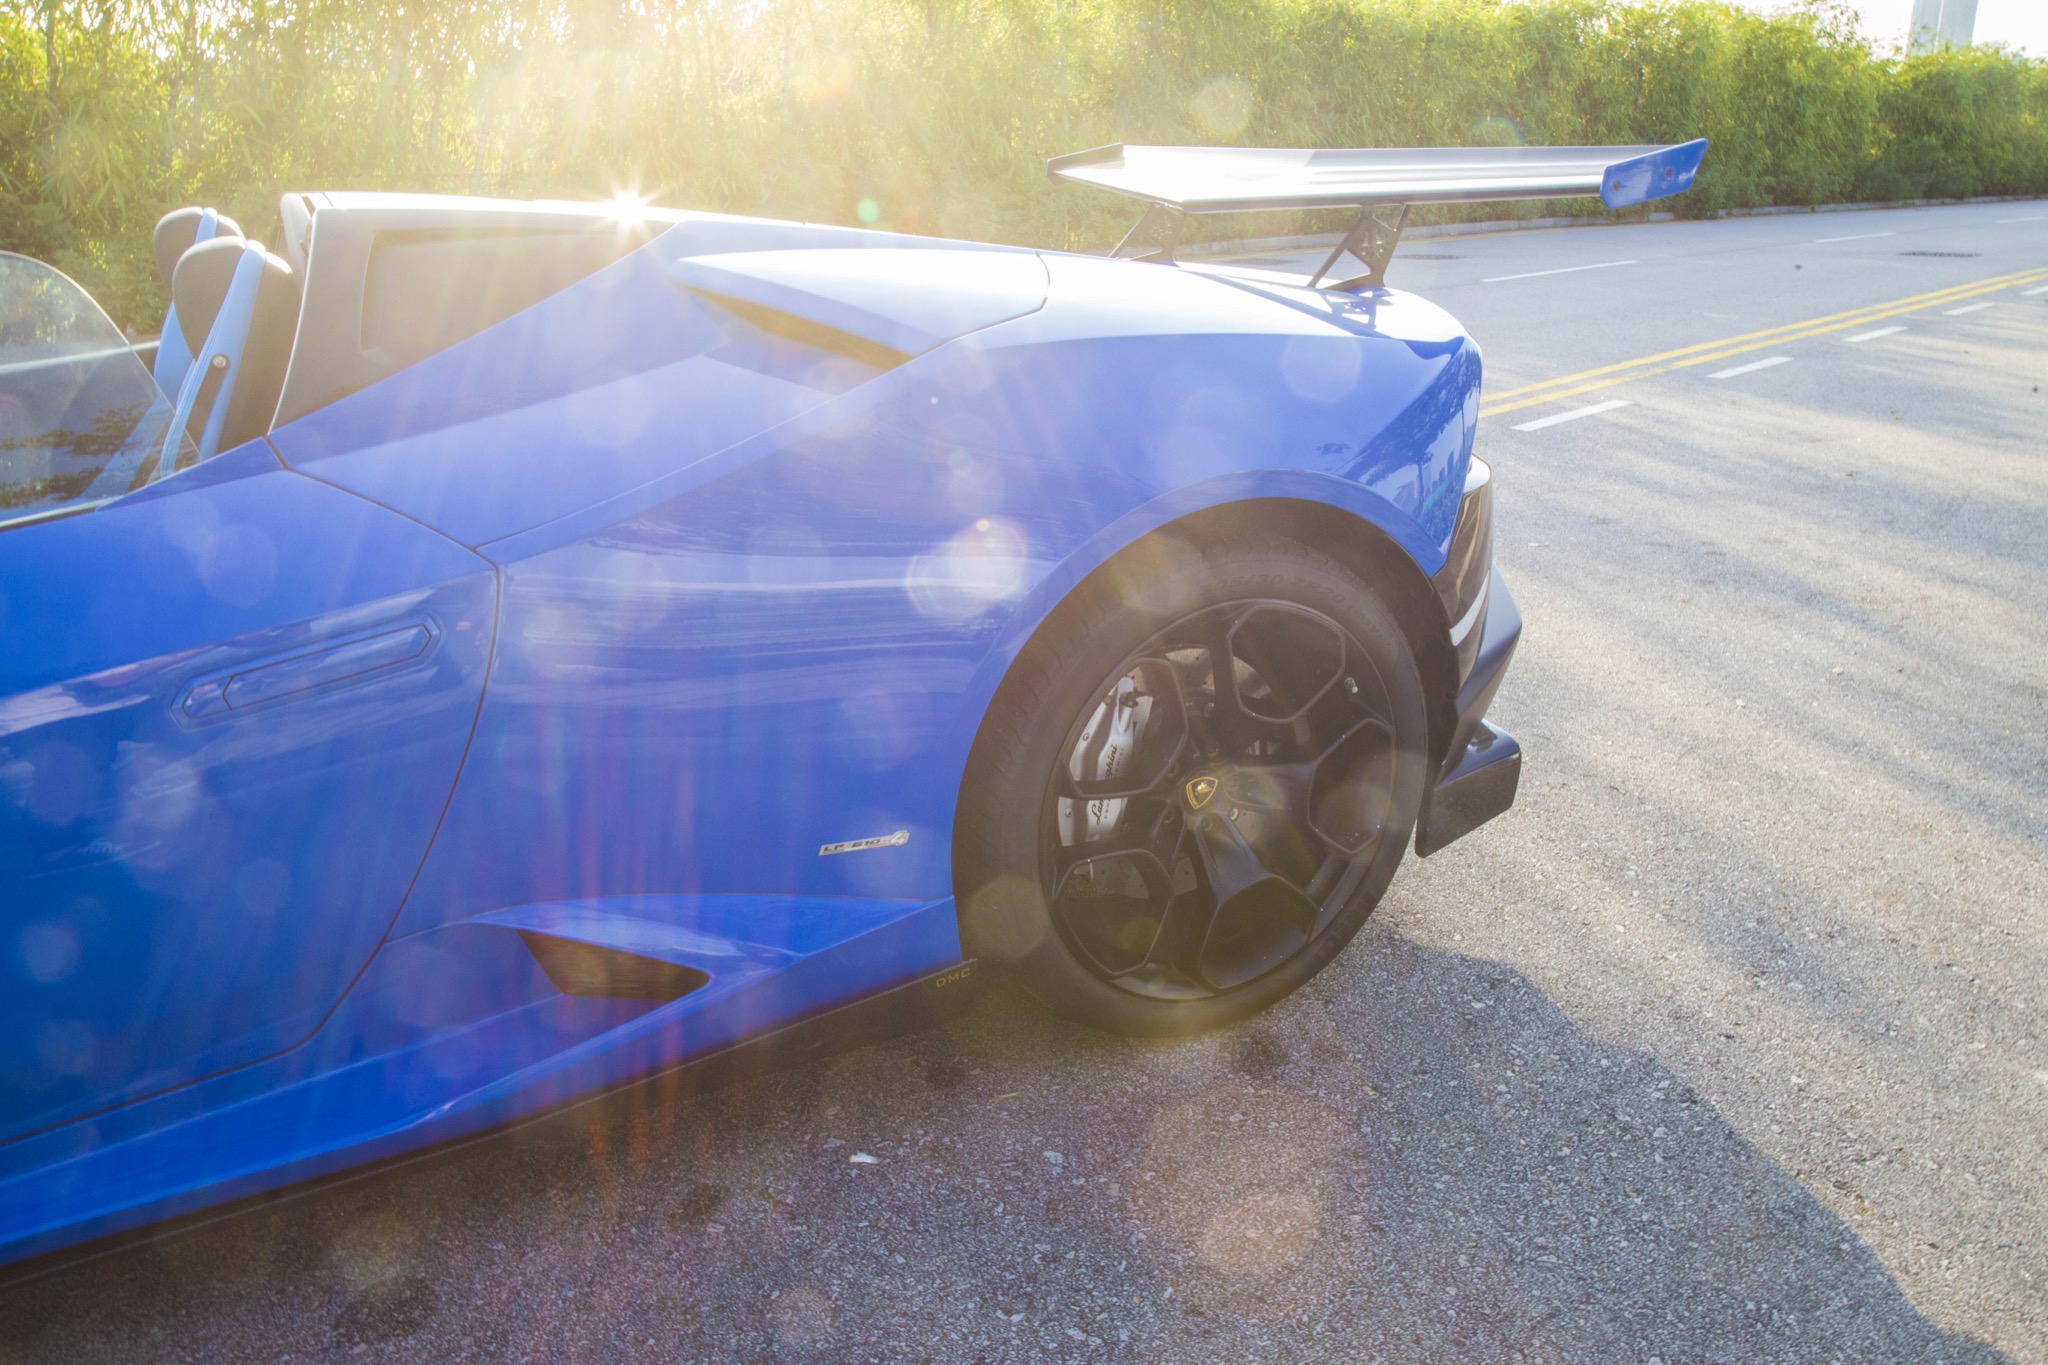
<point x="175" y="232"/>
<point x="199" y="286"/>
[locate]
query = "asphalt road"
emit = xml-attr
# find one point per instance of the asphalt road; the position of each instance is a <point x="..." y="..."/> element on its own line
<point x="1729" y="1042"/>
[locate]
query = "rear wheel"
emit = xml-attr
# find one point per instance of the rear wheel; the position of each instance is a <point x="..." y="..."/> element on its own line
<point x="1193" y="788"/>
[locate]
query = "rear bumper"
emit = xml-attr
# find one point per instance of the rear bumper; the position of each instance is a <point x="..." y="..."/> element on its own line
<point x="1482" y="766"/>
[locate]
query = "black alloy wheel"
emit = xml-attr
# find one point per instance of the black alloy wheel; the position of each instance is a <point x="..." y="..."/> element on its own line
<point x="1223" y="794"/>
<point x="1219" y="810"/>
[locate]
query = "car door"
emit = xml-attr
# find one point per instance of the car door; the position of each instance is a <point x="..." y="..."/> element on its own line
<point x="233" y="703"/>
<point x="231" y="711"/>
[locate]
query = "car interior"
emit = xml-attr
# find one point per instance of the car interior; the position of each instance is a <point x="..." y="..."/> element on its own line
<point x="349" y="289"/>
<point x="352" y="288"/>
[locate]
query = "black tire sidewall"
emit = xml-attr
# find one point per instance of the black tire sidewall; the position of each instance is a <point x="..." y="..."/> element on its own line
<point x="1004" y="916"/>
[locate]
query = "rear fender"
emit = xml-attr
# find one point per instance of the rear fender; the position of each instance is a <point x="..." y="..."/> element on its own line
<point x="1299" y="500"/>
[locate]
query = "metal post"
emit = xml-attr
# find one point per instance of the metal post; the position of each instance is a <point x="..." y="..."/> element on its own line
<point x="1942" y="23"/>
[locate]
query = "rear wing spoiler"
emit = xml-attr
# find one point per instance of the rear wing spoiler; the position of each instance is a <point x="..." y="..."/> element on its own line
<point x="1177" y="182"/>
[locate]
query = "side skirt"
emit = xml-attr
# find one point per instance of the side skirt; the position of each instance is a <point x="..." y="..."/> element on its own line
<point x="913" y="1007"/>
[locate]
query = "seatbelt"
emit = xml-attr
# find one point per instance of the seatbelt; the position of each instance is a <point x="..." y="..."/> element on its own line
<point x="211" y="377"/>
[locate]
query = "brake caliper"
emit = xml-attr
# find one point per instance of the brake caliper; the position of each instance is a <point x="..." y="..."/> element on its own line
<point x="1104" y="753"/>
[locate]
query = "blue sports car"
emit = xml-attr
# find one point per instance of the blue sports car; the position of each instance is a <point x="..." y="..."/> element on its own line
<point x="490" y="652"/>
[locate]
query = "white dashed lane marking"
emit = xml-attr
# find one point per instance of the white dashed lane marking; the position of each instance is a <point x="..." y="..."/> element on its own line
<point x="1574" y="415"/>
<point x="2039" y="217"/>
<point x="1853" y="237"/>
<point x="1872" y="336"/>
<point x="1966" y="308"/>
<point x="1752" y="367"/>
<point x="1565" y="270"/>
<point x="2037" y="289"/>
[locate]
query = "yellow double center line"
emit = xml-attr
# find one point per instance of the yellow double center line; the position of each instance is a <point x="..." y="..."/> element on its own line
<point x="1586" y="381"/>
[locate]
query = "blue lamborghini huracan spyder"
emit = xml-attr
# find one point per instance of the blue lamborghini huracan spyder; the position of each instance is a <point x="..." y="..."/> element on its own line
<point x="490" y="652"/>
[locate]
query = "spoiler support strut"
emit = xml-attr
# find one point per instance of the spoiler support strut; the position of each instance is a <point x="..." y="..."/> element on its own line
<point x="1154" y="237"/>
<point x="1372" y="239"/>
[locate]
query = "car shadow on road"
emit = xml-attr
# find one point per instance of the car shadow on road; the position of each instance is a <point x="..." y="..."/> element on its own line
<point x="1417" y="1157"/>
<point x="1534" y="1190"/>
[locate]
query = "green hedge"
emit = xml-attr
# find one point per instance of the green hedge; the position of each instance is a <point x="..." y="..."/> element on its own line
<point x="930" y="115"/>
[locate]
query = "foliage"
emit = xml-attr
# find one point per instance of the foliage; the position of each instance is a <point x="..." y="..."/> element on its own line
<point x="929" y="115"/>
<point x="1962" y="123"/>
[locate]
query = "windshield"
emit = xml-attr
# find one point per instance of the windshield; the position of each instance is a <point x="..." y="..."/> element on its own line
<point x="81" y="420"/>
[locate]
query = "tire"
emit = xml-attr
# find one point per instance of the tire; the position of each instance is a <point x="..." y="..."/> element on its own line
<point x="1157" y="876"/>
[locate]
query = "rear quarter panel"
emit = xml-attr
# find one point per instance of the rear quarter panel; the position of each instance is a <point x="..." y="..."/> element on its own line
<point x="703" y="680"/>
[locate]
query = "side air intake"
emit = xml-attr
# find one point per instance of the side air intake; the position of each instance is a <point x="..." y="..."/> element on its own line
<point x="578" y="968"/>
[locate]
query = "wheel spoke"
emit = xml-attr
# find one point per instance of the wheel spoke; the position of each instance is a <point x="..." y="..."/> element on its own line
<point x="1190" y="915"/>
<point x="1348" y="792"/>
<point x="1257" y="919"/>
<point x="1282" y="787"/>
<point x="1229" y="863"/>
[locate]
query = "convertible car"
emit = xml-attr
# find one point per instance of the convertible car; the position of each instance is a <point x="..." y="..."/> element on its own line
<point x="490" y="652"/>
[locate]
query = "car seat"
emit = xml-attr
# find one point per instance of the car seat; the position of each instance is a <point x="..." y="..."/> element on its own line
<point x="237" y="307"/>
<point x="176" y="233"/>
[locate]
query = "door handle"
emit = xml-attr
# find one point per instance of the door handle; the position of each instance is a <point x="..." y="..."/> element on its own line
<point x="286" y="677"/>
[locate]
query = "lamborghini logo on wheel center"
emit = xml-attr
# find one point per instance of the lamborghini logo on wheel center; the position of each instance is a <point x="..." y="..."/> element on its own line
<point x="1199" y="790"/>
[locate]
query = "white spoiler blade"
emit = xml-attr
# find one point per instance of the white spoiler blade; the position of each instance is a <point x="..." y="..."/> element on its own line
<point x="1242" y="179"/>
